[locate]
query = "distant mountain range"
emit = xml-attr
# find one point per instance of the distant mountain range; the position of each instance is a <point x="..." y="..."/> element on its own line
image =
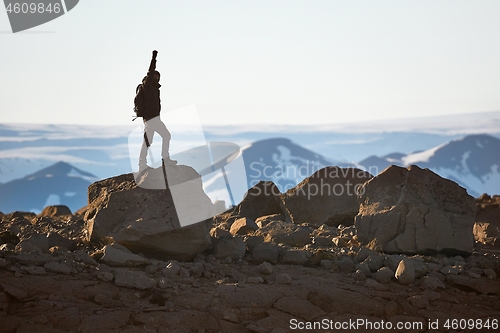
<point x="281" y="161"/>
<point x="473" y="162"/>
<point x="60" y="183"/>
<point x="31" y="176"/>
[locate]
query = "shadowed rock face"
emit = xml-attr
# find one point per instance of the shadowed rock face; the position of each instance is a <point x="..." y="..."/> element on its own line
<point x="147" y="220"/>
<point x="57" y="210"/>
<point x="413" y="210"/>
<point x="327" y="197"/>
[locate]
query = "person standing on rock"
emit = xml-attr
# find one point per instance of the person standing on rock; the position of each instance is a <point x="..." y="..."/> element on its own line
<point x="148" y="92"/>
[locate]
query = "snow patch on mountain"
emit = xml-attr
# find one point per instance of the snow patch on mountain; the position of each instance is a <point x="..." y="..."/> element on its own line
<point x="281" y="161"/>
<point x="423" y="156"/>
<point x="472" y="161"/>
<point x="487" y="183"/>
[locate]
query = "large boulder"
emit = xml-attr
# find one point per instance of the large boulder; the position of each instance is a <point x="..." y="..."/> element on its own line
<point x="57" y="210"/>
<point x="149" y="220"/>
<point x="326" y="197"/>
<point x="261" y="200"/>
<point x="415" y="211"/>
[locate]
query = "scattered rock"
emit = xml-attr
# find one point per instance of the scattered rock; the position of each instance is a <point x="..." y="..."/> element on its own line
<point x="133" y="279"/>
<point x="375" y="262"/>
<point x="340" y="241"/>
<point x="265" y="252"/>
<point x="233" y="248"/>
<point x="346" y="265"/>
<point x="217" y="232"/>
<point x="171" y="270"/>
<point x="33" y="270"/>
<point x="36" y="243"/>
<point x="359" y="276"/>
<point x="286" y="233"/>
<point x="490" y="274"/>
<point x="326" y="263"/>
<point x="283" y="278"/>
<point x="363" y="268"/>
<point x="295" y="257"/>
<point x="57" y="267"/>
<point x="8" y="237"/>
<point x="254" y="280"/>
<point x="118" y="255"/>
<point x="374" y="284"/>
<point x="7" y="247"/>
<point x="243" y="226"/>
<point x="32" y="259"/>
<point x="322" y="241"/>
<point x="253" y="241"/>
<point x="15" y="292"/>
<point x="405" y="273"/>
<point x="105" y="276"/>
<point x="452" y="270"/>
<point x="419" y="301"/>
<point x="265" y="220"/>
<point x="486" y="233"/>
<point x="265" y="268"/>
<point x="392" y="261"/>
<point x="384" y="275"/>
<point x="85" y="258"/>
<point x="364" y="253"/>
<point x="431" y="282"/>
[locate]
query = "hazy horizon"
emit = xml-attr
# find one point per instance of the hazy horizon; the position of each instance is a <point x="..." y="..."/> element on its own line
<point x="256" y="62"/>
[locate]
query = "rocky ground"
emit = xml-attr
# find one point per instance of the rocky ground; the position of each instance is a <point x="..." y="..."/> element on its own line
<point x="262" y="275"/>
<point x="404" y="251"/>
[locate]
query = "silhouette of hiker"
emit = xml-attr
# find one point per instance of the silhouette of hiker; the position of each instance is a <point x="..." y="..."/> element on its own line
<point x="151" y="116"/>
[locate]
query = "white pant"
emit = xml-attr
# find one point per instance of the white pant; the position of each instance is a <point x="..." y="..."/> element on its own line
<point x="150" y="127"/>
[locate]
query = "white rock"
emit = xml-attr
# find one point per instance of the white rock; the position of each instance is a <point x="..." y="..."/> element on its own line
<point x="405" y="273"/>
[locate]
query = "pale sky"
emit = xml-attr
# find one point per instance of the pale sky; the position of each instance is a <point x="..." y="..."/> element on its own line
<point x="260" y="62"/>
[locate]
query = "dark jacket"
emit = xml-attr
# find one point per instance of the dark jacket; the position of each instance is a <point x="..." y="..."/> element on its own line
<point x="152" y="93"/>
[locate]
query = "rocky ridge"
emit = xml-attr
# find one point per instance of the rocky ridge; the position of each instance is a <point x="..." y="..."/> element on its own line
<point x="264" y="268"/>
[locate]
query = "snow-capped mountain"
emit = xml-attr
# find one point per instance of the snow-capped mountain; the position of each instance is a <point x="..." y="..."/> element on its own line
<point x="472" y="161"/>
<point x="60" y="183"/>
<point x="281" y="161"/>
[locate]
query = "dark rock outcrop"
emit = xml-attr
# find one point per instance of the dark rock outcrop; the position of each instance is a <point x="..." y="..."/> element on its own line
<point x="57" y="210"/>
<point x="149" y="220"/>
<point x="326" y="197"/>
<point x="415" y="211"/>
<point x="261" y="200"/>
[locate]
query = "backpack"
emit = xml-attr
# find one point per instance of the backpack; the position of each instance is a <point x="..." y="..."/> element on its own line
<point x="139" y="102"/>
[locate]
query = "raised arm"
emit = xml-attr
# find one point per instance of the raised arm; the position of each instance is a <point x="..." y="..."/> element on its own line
<point x="152" y="65"/>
